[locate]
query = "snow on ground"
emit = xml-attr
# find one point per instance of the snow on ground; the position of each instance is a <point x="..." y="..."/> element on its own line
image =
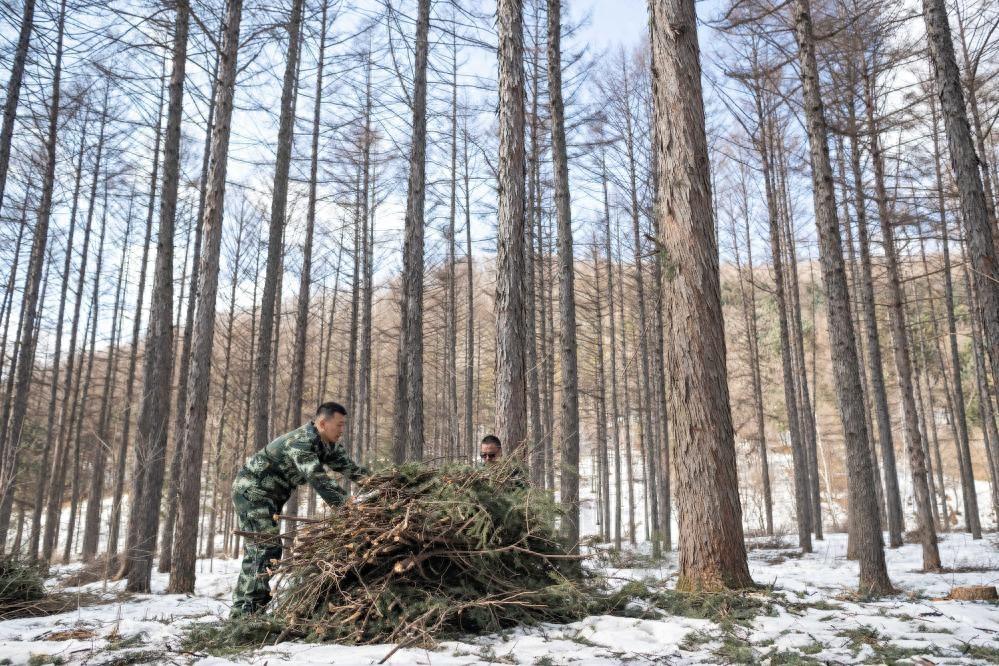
<point x="816" y="617"/>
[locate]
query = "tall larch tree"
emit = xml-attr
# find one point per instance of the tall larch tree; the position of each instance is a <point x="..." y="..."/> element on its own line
<point x="846" y="369"/>
<point x="709" y="514"/>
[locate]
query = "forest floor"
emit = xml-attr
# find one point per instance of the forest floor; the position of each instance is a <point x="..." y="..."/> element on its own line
<point x="811" y="615"/>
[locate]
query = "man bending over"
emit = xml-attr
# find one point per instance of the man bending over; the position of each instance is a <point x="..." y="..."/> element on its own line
<point x="305" y="455"/>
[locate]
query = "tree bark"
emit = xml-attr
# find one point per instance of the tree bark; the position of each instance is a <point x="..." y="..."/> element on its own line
<point x="893" y="500"/>
<point x="154" y="410"/>
<point x="409" y="393"/>
<point x="612" y="335"/>
<point x="182" y="573"/>
<point x="965" y="163"/>
<point x="10" y="445"/>
<point x="709" y="514"/>
<point x="121" y="458"/>
<point x="511" y="388"/>
<point x="14" y="91"/>
<point x="262" y="369"/>
<point x="846" y="369"/>
<point x="903" y="364"/>
<point x="569" y="421"/>
<point x="296" y="391"/>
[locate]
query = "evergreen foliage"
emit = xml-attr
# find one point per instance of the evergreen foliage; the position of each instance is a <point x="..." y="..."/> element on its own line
<point x="431" y="553"/>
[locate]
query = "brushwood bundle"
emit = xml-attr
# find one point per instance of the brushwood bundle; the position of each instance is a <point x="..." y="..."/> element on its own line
<point x="431" y="553"/>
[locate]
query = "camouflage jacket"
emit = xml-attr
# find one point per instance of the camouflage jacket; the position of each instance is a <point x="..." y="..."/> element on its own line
<point x="293" y="459"/>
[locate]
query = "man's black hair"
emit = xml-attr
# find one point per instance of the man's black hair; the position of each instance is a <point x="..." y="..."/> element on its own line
<point x="492" y="439"/>
<point x="328" y="409"/>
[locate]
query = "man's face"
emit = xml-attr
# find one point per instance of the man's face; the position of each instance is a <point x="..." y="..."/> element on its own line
<point x="490" y="453"/>
<point x="331" y="427"/>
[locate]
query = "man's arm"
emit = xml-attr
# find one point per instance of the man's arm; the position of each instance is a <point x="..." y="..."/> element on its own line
<point x="341" y="462"/>
<point x="308" y="464"/>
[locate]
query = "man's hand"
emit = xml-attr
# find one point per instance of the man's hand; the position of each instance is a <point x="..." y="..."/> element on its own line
<point x="363" y="497"/>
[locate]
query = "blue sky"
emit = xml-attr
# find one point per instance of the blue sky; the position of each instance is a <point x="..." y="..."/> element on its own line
<point x="612" y="22"/>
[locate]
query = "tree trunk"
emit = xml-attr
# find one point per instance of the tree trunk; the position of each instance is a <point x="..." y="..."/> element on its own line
<point x="51" y="422"/>
<point x="903" y="363"/>
<point x="892" y="496"/>
<point x="749" y="316"/>
<point x="964" y="161"/>
<point x="84" y="399"/>
<point x="798" y="455"/>
<point x="296" y="391"/>
<point x="612" y="335"/>
<point x="645" y="415"/>
<point x="628" y="461"/>
<point x="14" y="91"/>
<point x="197" y="382"/>
<point x="511" y="389"/>
<point x="536" y="450"/>
<point x="226" y="366"/>
<point x="10" y="445"/>
<point x="154" y="410"/>
<point x="469" y="302"/>
<point x="262" y="368"/>
<point x="846" y="369"/>
<point x="95" y="495"/>
<point x="709" y="514"/>
<point x="569" y="421"/>
<point x="121" y="458"/>
<point x="409" y="393"/>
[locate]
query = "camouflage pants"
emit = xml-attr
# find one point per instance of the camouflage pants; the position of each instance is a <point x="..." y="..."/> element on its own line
<point x="253" y="590"/>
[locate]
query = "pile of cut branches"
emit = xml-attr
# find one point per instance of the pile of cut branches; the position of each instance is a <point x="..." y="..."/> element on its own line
<point x="431" y="553"/>
<point x="23" y="593"/>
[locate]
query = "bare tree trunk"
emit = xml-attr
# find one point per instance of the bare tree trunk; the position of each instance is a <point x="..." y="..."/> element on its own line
<point x="154" y="411"/>
<point x="612" y="333"/>
<point x="859" y="321"/>
<point x="511" y="389"/>
<point x="632" y="533"/>
<point x="248" y="395"/>
<point x="569" y="422"/>
<point x="57" y="354"/>
<point x="262" y="369"/>
<point x="95" y="495"/>
<point x="846" y="369"/>
<point x="10" y="445"/>
<point x="964" y="161"/>
<point x="226" y="366"/>
<point x="14" y="91"/>
<point x="984" y="394"/>
<point x="601" y="400"/>
<point x="798" y="455"/>
<point x="903" y="364"/>
<point x="88" y="378"/>
<point x="749" y="315"/>
<point x="892" y="496"/>
<point x="367" y="287"/>
<point x="644" y="330"/>
<point x="805" y="413"/>
<point x="712" y="553"/>
<point x="172" y="498"/>
<point x="56" y="487"/>
<point x="296" y="391"/>
<point x="122" y="454"/>
<point x="469" y="301"/>
<point x="197" y="382"/>
<point x="409" y="392"/>
<point x="536" y="451"/>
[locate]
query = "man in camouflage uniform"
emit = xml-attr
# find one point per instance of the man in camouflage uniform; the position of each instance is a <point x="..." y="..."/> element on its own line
<point x="305" y="455"/>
